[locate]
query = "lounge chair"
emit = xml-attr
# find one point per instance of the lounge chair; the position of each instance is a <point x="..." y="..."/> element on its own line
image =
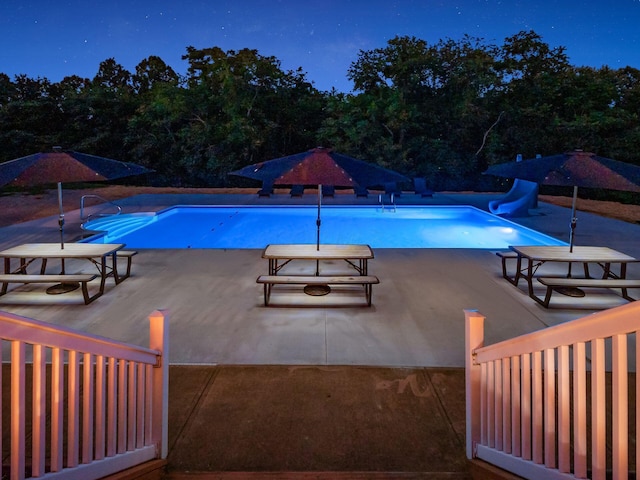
<point x="328" y="190"/>
<point x="420" y="187"/>
<point x="392" y="188"/>
<point x="517" y="202"/>
<point x="361" y="191"/>
<point x="266" y="190"/>
<point x="297" y="190"/>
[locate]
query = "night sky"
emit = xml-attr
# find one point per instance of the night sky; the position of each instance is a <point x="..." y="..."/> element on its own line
<point x="54" y="38"/>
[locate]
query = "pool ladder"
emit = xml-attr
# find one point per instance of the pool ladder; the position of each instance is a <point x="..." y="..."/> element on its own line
<point x="392" y="202"/>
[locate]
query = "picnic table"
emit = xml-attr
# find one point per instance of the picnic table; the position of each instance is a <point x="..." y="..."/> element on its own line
<point x="356" y="256"/>
<point x="28" y="253"/>
<point x="536" y="256"/>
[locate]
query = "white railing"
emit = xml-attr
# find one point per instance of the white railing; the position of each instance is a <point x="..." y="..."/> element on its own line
<point x="82" y="406"/>
<point x="530" y="409"/>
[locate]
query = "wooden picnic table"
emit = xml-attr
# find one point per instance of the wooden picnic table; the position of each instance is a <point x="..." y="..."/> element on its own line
<point x="288" y="252"/>
<point x="279" y="255"/>
<point x="536" y="256"/>
<point x="26" y="254"/>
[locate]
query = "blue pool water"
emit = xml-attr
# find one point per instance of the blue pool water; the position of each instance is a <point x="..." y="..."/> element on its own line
<point x="257" y="226"/>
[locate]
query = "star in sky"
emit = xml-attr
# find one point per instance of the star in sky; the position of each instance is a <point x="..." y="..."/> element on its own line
<point x="41" y="38"/>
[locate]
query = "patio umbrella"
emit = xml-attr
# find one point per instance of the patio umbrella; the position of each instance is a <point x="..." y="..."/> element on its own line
<point x="574" y="169"/>
<point x="60" y="166"/>
<point x="63" y="166"/>
<point x="320" y="166"/>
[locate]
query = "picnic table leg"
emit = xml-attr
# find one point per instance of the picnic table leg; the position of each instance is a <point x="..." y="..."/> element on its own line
<point x="103" y="272"/>
<point x="529" y="276"/>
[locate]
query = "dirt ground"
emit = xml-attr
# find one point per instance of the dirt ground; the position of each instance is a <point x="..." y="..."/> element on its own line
<point x="22" y="207"/>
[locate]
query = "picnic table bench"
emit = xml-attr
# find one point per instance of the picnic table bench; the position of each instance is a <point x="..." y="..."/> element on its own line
<point x="562" y="282"/>
<point x="83" y="279"/>
<point x="365" y="280"/>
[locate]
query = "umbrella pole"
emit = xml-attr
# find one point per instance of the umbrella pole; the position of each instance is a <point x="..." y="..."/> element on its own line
<point x="61" y="217"/>
<point x="318" y="221"/>
<point x="61" y="287"/>
<point x="572" y="291"/>
<point x="318" y="290"/>
<point x="574" y="219"/>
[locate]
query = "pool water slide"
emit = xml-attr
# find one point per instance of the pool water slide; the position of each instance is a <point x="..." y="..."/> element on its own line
<point x="517" y="202"/>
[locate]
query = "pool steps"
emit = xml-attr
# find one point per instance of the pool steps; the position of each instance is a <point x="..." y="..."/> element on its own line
<point x="118" y="225"/>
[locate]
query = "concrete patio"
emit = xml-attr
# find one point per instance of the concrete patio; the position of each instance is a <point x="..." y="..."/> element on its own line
<point x="414" y="328"/>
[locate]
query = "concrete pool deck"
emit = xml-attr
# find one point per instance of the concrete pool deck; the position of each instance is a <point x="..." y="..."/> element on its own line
<point x="323" y="393"/>
<point x="217" y="314"/>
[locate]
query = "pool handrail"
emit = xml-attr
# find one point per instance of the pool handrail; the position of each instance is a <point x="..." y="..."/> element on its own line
<point x="104" y="200"/>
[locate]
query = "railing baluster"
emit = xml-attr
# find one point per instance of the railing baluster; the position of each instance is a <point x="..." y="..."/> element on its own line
<point x="579" y="410"/>
<point x="537" y="412"/>
<point x="497" y="405"/>
<point x="148" y="405"/>
<point x="100" y="408"/>
<point x="122" y="406"/>
<point x="17" y="410"/>
<point x="491" y="405"/>
<point x="516" y="402"/>
<point x="484" y="407"/>
<point x="620" y="414"/>
<point x="57" y="408"/>
<point x="598" y="410"/>
<point x="140" y="404"/>
<point x="564" y="410"/>
<point x="73" y="409"/>
<point x="39" y="411"/>
<point x="506" y="404"/>
<point x="525" y="405"/>
<point x="88" y="400"/>
<point x="112" y="407"/>
<point x="132" y="398"/>
<point x="549" y="408"/>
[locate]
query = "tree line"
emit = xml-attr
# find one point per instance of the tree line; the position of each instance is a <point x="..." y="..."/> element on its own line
<point x="444" y="111"/>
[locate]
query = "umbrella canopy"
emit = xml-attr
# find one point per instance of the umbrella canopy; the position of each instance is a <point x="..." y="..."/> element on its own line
<point x="320" y="166"/>
<point x="67" y="166"/>
<point x="576" y="169"/>
<point x="63" y="166"/>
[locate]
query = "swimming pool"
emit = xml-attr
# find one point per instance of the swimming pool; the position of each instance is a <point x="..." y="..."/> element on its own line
<point x="257" y="226"/>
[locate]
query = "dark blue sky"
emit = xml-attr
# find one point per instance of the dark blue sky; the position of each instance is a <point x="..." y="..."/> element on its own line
<point x="56" y="38"/>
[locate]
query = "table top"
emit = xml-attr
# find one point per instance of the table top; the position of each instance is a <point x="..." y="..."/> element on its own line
<point x="54" y="250"/>
<point x="579" y="254"/>
<point x="311" y="252"/>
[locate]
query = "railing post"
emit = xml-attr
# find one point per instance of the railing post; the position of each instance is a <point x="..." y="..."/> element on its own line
<point x="159" y="340"/>
<point x="473" y="339"/>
